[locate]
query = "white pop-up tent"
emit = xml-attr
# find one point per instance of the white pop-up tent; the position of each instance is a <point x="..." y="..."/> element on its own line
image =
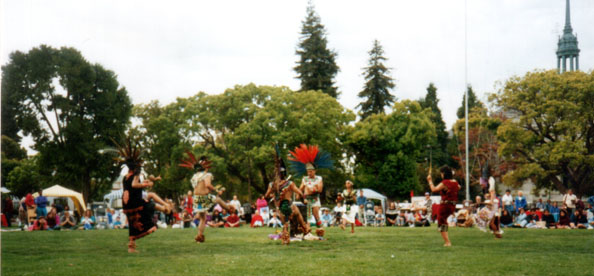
<point x="59" y="191"/>
<point x="371" y="194"/>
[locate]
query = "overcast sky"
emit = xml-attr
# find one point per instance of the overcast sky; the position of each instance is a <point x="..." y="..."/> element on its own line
<point x="162" y="50"/>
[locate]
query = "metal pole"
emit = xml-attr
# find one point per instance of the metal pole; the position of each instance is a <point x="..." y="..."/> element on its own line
<point x="466" y="173"/>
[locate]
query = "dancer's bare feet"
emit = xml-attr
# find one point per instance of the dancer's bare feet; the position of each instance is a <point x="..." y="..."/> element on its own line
<point x="449" y="244"/>
<point x="199" y="238"/>
<point x="132" y="247"/>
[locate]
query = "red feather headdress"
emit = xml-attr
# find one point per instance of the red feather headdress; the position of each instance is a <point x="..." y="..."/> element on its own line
<point x="194" y="164"/>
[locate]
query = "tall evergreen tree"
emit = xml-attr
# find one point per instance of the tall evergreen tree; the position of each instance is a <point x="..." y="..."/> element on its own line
<point x="378" y="85"/>
<point x="473" y="102"/>
<point x="316" y="67"/>
<point x="431" y="101"/>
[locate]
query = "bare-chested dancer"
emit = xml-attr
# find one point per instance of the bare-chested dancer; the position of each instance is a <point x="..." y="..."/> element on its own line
<point x="203" y="197"/>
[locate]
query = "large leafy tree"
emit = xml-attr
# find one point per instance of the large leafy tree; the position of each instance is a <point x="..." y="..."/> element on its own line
<point x="550" y="133"/>
<point x="378" y="83"/>
<point x="71" y="108"/>
<point x="386" y="148"/>
<point x="237" y="131"/>
<point x="473" y="102"/>
<point x="163" y="133"/>
<point x="316" y="67"/>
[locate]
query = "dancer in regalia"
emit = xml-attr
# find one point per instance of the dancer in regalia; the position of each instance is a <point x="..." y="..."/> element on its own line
<point x="138" y="210"/>
<point x="306" y="159"/>
<point x="488" y="216"/>
<point x="204" y="199"/>
<point x="350" y="204"/>
<point x="448" y="188"/>
<point x="282" y="190"/>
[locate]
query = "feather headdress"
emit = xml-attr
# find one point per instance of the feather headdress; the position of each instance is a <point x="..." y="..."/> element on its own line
<point x="305" y="158"/>
<point x="194" y="164"/>
<point x="129" y="153"/>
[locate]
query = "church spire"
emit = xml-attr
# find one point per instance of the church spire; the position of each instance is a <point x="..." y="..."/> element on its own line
<point x="567" y="28"/>
<point x="567" y="46"/>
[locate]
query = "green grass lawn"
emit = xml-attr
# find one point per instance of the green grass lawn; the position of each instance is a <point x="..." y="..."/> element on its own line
<point x="245" y="251"/>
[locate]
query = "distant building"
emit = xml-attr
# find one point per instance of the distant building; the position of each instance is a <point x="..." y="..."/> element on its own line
<point x="568" y="47"/>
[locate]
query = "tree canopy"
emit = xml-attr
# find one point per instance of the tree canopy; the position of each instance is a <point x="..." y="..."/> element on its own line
<point x="378" y="83"/>
<point x="386" y="148"/>
<point x="237" y="129"/>
<point x="550" y="133"/>
<point x="71" y="108"/>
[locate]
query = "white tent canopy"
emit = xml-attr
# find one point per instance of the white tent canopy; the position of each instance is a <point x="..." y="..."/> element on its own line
<point x="59" y="191"/>
<point x="371" y="194"/>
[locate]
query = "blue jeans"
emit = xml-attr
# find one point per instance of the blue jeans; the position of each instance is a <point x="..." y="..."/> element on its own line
<point x="41" y="212"/>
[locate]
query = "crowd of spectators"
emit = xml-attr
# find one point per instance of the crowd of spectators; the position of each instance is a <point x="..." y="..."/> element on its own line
<point x="516" y="212"/>
<point x="570" y="213"/>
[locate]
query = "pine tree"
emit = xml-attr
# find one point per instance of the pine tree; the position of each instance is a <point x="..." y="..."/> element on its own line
<point x="473" y="102"/>
<point x="439" y="148"/>
<point x="431" y="101"/>
<point x="316" y="67"/>
<point x="378" y="85"/>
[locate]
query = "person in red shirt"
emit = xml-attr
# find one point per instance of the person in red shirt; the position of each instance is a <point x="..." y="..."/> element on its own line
<point x="188" y="203"/>
<point x="257" y="220"/>
<point x="232" y="220"/>
<point x="448" y="188"/>
<point x="39" y="224"/>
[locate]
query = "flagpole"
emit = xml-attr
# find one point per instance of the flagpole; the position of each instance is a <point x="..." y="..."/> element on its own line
<point x="466" y="173"/>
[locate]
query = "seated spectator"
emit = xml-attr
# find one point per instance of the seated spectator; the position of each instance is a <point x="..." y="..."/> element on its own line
<point x="554" y="210"/>
<point x="549" y="220"/>
<point x="110" y="217"/>
<point x="519" y="222"/>
<point x="532" y="219"/>
<point x="564" y="222"/>
<point x="53" y="220"/>
<point x="391" y="214"/>
<point x="257" y="220"/>
<point x="233" y="220"/>
<point x="338" y="211"/>
<point x="68" y="221"/>
<point x="88" y="221"/>
<point x="401" y="219"/>
<point x="421" y="218"/>
<point x="463" y="218"/>
<point x="506" y="219"/>
<point x="117" y="224"/>
<point x="216" y="220"/>
<point x="326" y="218"/>
<point x="580" y="221"/>
<point x="380" y="218"/>
<point x="452" y="221"/>
<point x="410" y="219"/>
<point x="39" y="224"/>
<point x="224" y="213"/>
<point x="187" y="219"/>
<point x="274" y="221"/>
<point x="540" y="204"/>
<point x="590" y="216"/>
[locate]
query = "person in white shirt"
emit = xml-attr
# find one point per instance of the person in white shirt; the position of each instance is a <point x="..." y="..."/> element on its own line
<point x="570" y="200"/>
<point x="508" y="201"/>
<point x="235" y="203"/>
